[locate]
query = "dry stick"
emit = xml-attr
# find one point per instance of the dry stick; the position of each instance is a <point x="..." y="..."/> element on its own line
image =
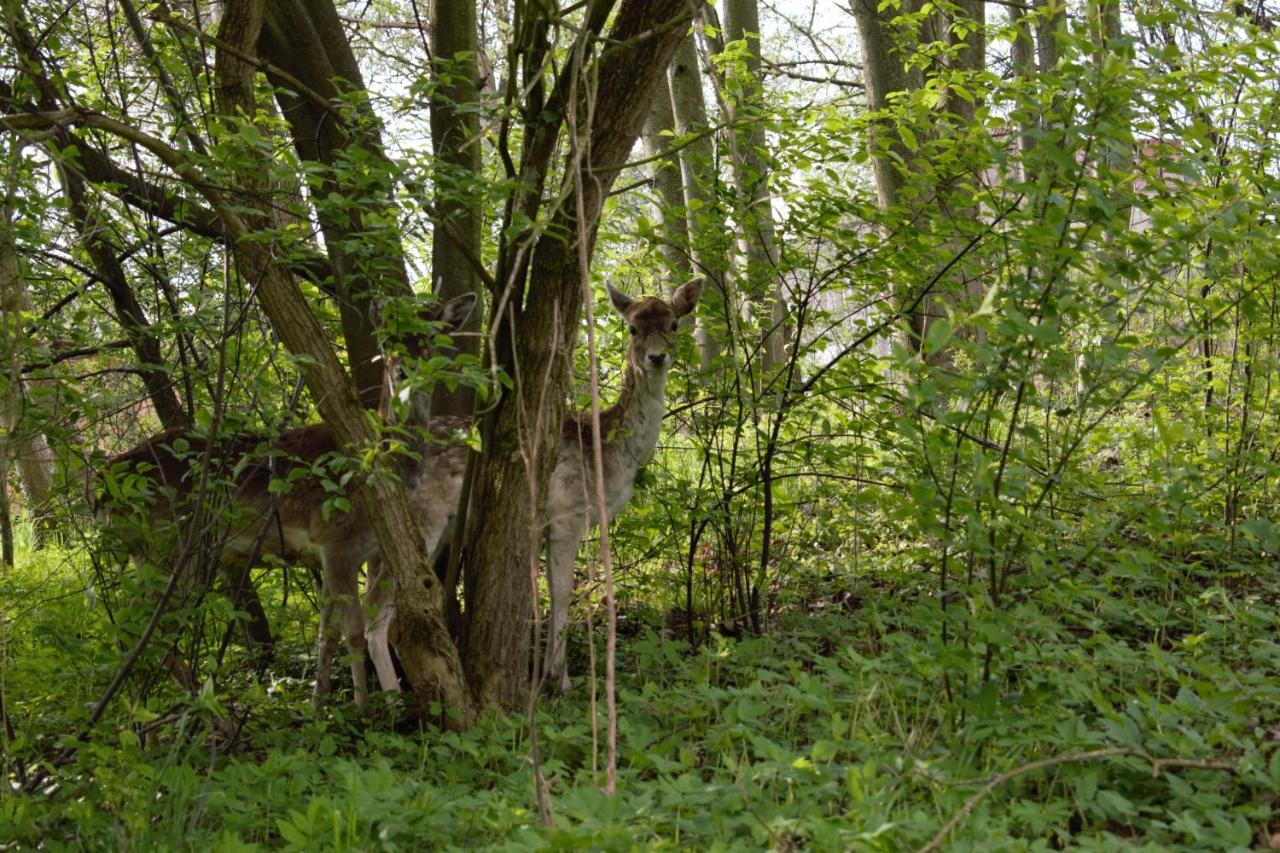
<point x="1157" y="764"/>
<point x="541" y="787"/>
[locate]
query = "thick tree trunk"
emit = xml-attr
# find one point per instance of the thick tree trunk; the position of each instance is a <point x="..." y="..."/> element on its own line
<point x="755" y="207"/>
<point x="455" y="136"/>
<point x="426" y="650"/>
<point x="503" y="523"/>
<point x="306" y="39"/>
<point x="709" y="234"/>
<point x="884" y="72"/>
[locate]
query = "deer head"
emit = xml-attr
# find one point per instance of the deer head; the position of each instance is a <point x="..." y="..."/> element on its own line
<point x="653" y="324"/>
<point x="411" y="341"/>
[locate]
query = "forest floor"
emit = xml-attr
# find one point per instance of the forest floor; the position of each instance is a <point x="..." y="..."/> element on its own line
<point x="1136" y="710"/>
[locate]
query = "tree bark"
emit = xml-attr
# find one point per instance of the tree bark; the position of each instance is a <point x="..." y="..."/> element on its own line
<point x="455" y="137"/>
<point x="755" y="206"/>
<point x="884" y="72"/>
<point x="22" y="441"/>
<point x="536" y="349"/>
<point x="664" y="172"/>
<point x="709" y="234"/>
<point x="1022" y="54"/>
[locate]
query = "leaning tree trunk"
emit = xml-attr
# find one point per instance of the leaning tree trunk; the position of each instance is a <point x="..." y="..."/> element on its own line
<point x="426" y="650"/>
<point x="503" y="525"/>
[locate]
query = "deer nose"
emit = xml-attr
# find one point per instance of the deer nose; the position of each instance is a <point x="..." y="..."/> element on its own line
<point x="657" y="359"/>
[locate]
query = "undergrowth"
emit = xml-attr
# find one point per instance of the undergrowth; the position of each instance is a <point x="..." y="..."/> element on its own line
<point x="1149" y="696"/>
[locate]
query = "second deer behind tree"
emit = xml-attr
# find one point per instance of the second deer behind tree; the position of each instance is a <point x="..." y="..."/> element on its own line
<point x="629" y="432"/>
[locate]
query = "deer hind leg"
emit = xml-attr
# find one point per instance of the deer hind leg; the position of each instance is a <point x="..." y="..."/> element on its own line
<point x="244" y="598"/>
<point x="326" y="651"/>
<point x="562" y="550"/>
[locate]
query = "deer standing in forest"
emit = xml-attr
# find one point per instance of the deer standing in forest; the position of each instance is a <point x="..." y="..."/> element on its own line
<point x="294" y="527"/>
<point x="629" y="432"/>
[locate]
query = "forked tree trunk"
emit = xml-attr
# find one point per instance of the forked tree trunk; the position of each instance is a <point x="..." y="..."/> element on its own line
<point x="306" y="39"/>
<point x="426" y="650"/>
<point x="503" y="525"/>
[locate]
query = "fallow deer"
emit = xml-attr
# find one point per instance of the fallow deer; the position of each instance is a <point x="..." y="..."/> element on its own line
<point x="629" y="433"/>
<point x="295" y="527"/>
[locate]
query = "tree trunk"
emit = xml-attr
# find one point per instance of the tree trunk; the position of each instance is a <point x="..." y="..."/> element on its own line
<point x="455" y="137"/>
<point x="1051" y="20"/>
<point x="536" y="350"/>
<point x="133" y="320"/>
<point x="709" y="234"/>
<point x="21" y="441"/>
<point x="1022" y="55"/>
<point x="755" y="207"/>
<point x="306" y="39"/>
<point x="884" y="72"/>
<point x="426" y="650"/>
<point x="664" y="172"/>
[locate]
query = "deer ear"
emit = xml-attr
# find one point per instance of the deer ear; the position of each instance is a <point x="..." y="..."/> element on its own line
<point x="456" y="311"/>
<point x="686" y="297"/>
<point x="621" y="302"/>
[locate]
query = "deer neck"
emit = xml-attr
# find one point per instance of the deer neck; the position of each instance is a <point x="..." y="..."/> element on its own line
<point x="636" y="419"/>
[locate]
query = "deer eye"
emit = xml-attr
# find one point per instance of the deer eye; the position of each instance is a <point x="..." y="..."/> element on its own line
<point x="675" y="327"/>
<point x="633" y="330"/>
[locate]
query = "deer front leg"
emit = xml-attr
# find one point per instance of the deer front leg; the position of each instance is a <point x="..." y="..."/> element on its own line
<point x="379" y="598"/>
<point x="561" y="552"/>
<point x="380" y="593"/>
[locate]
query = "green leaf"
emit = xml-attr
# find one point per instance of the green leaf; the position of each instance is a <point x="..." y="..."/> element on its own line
<point x="936" y="338"/>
